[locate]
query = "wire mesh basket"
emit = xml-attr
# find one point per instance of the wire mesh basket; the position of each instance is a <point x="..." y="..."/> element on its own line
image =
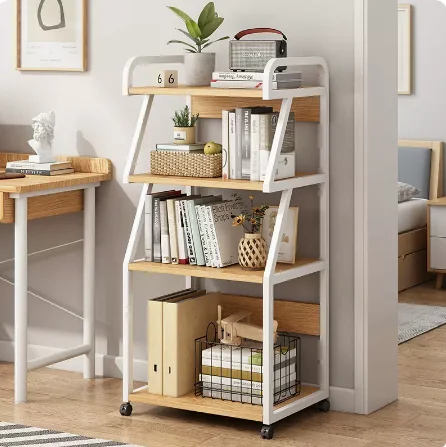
<point x="235" y="373"/>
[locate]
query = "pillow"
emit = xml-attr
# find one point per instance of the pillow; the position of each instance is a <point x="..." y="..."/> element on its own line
<point x="406" y="192"/>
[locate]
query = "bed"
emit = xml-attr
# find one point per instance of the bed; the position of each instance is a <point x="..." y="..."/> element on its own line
<point x="420" y="165"/>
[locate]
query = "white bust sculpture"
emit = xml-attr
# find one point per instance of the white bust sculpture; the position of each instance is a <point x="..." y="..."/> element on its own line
<point x="43" y="125"/>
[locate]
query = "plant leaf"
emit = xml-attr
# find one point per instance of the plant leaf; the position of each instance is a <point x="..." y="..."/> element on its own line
<point x="207" y="15"/>
<point x="182" y="42"/>
<point x="182" y="15"/>
<point x="197" y="41"/>
<point x="211" y="27"/>
<point x="191" y="51"/>
<point x="218" y="40"/>
<point x="193" y="28"/>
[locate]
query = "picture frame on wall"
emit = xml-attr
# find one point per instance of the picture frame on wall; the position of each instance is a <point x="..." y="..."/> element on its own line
<point x="288" y="243"/>
<point x="404" y="49"/>
<point x="52" y="35"/>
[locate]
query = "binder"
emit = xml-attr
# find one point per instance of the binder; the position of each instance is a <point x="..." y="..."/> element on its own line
<point x="183" y="322"/>
<point x="155" y="337"/>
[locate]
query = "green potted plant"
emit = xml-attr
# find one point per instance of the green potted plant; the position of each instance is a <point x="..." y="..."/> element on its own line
<point x="184" y="130"/>
<point x="198" y="65"/>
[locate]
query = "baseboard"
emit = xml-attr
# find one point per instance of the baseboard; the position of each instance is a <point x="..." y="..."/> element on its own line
<point x="106" y="365"/>
<point x="342" y="399"/>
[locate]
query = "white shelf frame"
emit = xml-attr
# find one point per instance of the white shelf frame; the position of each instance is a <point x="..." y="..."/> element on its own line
<point x="271" y="278"/>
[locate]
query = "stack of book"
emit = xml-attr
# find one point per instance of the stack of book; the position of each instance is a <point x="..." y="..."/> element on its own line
<point x="247" y="136"/>
<point x="197" y="147"/>
<point x="254" y="80"/>
<point x="194" y="230"/>
<point x="236" y="374"/>
<point x="50" y="169"/>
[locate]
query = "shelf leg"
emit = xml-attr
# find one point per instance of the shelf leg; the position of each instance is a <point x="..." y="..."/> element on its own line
<point x="21" y="299"/>
<point x="127" y="323"/>
<point x="89" y="280"/>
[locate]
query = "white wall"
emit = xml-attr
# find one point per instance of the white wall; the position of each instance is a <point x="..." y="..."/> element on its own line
<point x="94" y="119"/>
<point x="421" y="115"/>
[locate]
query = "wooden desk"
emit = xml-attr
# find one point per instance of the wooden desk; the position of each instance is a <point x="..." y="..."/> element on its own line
<point x="36" y="197"/>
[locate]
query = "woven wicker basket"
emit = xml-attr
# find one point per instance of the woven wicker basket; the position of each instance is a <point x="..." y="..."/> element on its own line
<point x="185" y="164"/>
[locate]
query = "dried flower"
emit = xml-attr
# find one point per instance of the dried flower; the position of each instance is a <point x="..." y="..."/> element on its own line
<point x="251" y="198"/>
<point x="252" y="219"/>
<point x="239" y="220"/>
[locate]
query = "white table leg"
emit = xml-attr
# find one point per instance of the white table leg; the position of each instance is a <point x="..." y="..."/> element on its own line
<point x="89" y="280"/>
<point x="21" y="298"/>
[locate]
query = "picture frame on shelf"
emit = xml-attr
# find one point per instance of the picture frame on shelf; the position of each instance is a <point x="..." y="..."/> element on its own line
<point x="51" y="35"/>
<point x="288" y="244"/>
<point x="405" y="49"/>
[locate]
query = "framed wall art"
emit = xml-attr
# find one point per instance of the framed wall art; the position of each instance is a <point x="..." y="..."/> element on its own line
<point x="287" y="249"/>
<point x="404" y="49"/>
<point x="52" y="35"/>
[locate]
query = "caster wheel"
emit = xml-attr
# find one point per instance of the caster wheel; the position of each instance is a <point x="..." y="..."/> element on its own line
<point x="267" y="432"/>
<point x="324" y="406"/>
<point x="126" y="409"/>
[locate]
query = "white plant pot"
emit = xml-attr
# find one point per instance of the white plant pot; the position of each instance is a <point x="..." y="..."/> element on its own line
<point x="199" y="68"/>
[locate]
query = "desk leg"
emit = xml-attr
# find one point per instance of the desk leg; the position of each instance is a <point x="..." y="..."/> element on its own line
<point x="89" y="280"/>
<point x="21" y="298"/>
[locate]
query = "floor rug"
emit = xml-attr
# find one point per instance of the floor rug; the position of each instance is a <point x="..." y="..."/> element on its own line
<point x="14" y="435"/>
<point x="414" y="320"/>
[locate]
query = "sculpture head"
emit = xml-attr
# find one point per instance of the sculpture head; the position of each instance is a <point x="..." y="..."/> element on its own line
<point x="43" y="125"/>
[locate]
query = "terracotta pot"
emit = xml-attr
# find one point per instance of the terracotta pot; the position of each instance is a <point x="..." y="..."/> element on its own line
<point x="252" y="252"/>
<point x="184" y="135"/>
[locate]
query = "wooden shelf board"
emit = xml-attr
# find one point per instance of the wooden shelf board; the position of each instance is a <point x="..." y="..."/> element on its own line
<point x="218" y="407"/>
<point x="205" y="182"/>
<point x="231" y="273"/>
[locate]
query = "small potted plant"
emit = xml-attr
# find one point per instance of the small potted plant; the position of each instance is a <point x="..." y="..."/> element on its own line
<point x="184" y="130"/>
<point x="252" y="249"/>
<point x="198" y="65"/>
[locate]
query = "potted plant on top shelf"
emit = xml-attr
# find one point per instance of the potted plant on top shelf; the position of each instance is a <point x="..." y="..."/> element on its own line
<point x="198" y="65"/>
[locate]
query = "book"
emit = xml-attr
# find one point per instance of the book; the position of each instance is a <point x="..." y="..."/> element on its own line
<point x="193" y="226"/>
<point x="225" y="143"/>
<point x="183" y="258"/>
<point x="232" y="145"/>
<point x="238" y="143"/>
<point x="183" y="322"/>
<point x="165" y="241"/>
<point x="256" y="85"/>
<point x="155" y="338"/>
<point x="40" y="171"/>
<point x="254" y="76"/>
<point x="173" y="238"/>
<point x="255" y="148"/>
<point x="207" y="235"/>
<point x="181" y="147"/>
<point x="224" y="236"/>
<point x="25" y="164"/>
<point x="188" y="233"/>
<point x="200" y="221"/>
<point x="286" y="161"/>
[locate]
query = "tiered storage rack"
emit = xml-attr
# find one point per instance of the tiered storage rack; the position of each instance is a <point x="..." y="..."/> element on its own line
<point x="309" y="105"/>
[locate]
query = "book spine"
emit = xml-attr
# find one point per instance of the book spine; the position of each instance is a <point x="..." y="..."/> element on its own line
<point x="225" y="143"/>
<point x="237" y="76"/>
<point x="213" y="237"/>
<point x="246" y="144"/>
<point x="246" y="385"/>
<point x="41" y="167"/>
<point x="255" y="148"/>
<point x="208" y="237"/>
<point x="148" y="229"/>
<point x="196" y="239"/>
<point x="188" y="233"/>
<point x="165" y="241"/>
<point x="29" y="171"/>
<point x="172" y="231"/>
<point x="182" y="253"/>
<point x="232" y="146"/>
<point x="200" y="221"/>
<point x="156" y="231"/>
<point x="238" y="143"/>
<point x="254" y="85"/>
<point x="265" y="143"/>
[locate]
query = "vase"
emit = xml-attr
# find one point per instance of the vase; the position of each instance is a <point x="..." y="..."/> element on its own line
<point x="252" y="252"/>
<point x="199" y="68"/>
<point x="184" y="135"/>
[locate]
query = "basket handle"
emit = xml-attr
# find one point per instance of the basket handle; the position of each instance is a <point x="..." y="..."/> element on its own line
<point x="246" y="32"/>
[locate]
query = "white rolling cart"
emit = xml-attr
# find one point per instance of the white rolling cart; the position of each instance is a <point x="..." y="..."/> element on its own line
<point x="309" y="104"/>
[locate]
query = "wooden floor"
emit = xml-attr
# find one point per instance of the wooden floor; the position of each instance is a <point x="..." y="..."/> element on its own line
<point x="64" y="401"/>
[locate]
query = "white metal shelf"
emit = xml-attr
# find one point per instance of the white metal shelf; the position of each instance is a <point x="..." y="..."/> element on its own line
<point x="274" y="273"/>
